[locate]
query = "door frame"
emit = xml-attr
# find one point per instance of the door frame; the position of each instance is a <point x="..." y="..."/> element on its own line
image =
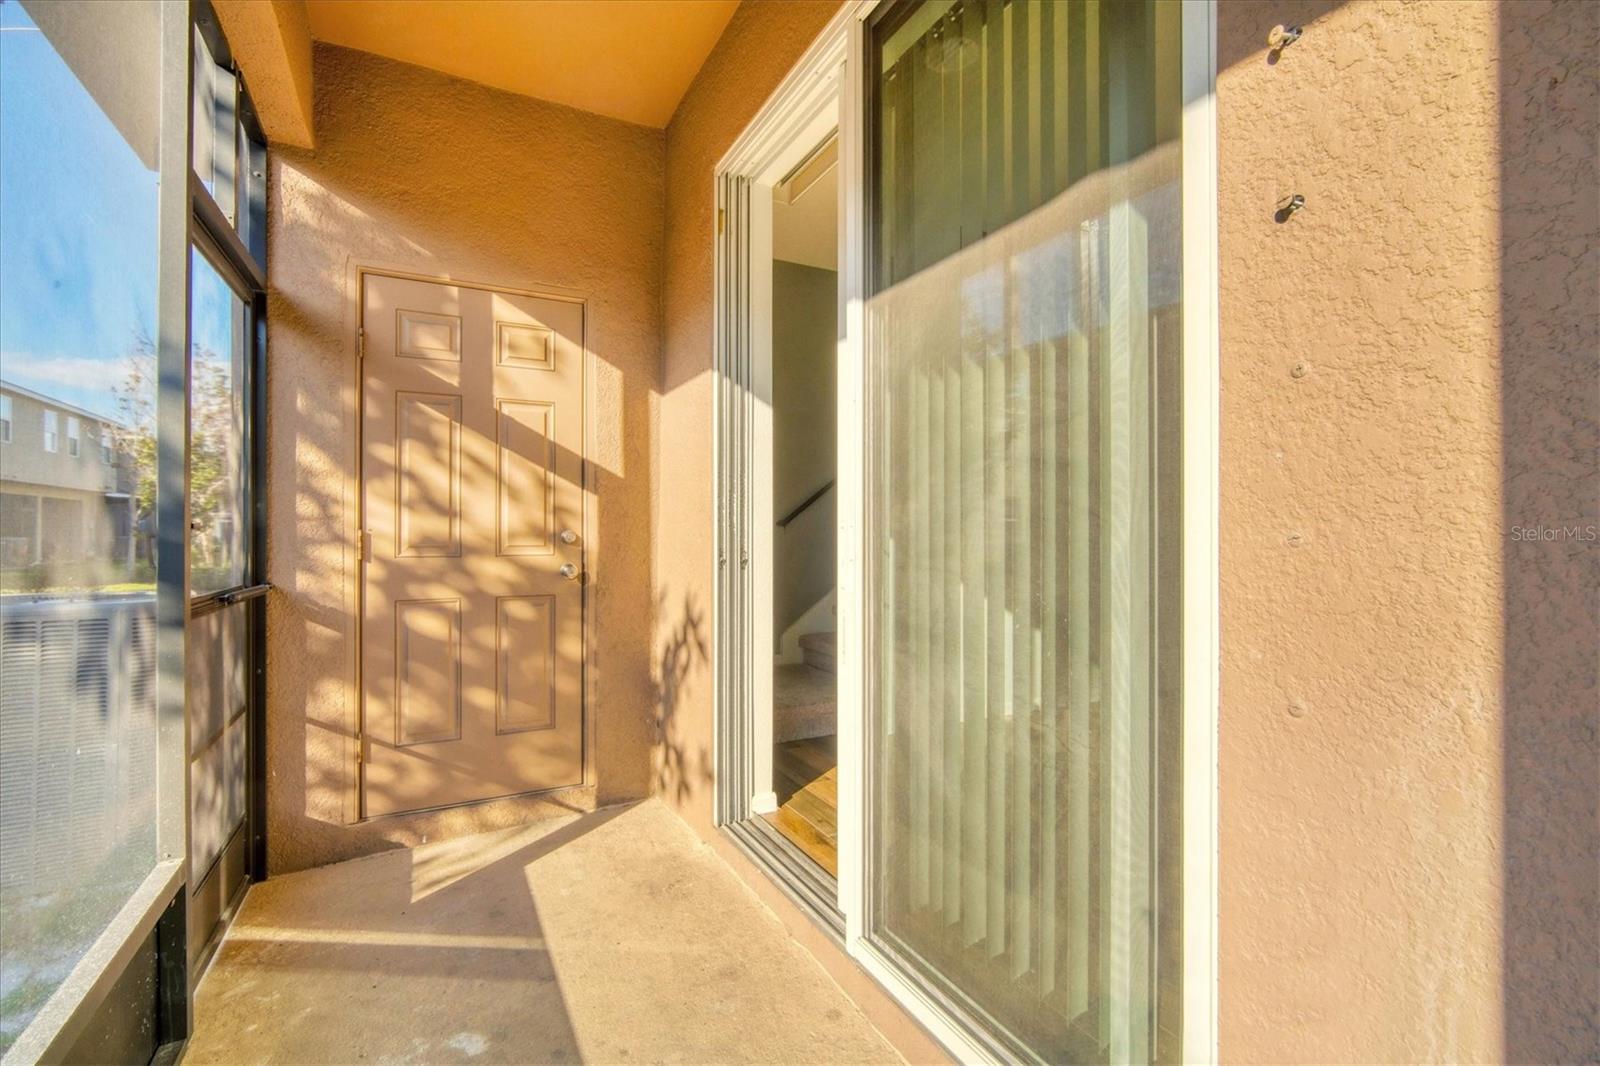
<point x="796" y="119"/>
<point x="355" y="735"/>
<point x="835" y="63"/>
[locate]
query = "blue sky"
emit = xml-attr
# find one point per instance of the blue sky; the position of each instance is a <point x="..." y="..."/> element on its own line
<point x="77" y="228"/>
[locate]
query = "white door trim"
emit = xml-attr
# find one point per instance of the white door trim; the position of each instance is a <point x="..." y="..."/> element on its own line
<point x="1201" y="458"/>
<point x="799" y="114"/>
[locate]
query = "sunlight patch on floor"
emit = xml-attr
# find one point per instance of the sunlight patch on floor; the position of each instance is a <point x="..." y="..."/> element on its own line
<point x="605" y="937"/>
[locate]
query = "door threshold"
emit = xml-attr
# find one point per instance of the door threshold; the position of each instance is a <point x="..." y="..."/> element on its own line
<point x="799" y="877"/>
<point x="534" y="794"/>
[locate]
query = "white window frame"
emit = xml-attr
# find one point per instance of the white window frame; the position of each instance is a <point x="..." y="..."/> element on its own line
<point x="840" y="49"/>
<point x="74" y="436"/>
<point x="107" y="447"/>
<point x="5" y="418"/>
<point x="52" y="431"/>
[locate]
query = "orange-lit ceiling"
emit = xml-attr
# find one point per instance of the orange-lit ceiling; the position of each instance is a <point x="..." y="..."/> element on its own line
<point x="628" y="59"/>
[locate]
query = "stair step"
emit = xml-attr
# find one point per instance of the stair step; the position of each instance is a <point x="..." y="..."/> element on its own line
<point x="810" y="820"/>
<point x="803" y="703"/>
<point x="818" y="650"/>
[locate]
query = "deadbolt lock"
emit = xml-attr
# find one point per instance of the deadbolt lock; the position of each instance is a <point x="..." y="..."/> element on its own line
<point x="568" y="537"/>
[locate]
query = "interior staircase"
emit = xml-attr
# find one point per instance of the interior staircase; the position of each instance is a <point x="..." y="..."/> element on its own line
<point x="804" y="702"/>
<point x="817" y="649"/>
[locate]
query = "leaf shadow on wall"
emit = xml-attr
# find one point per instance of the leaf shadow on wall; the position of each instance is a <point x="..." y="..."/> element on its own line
<point x="684" y="651"/>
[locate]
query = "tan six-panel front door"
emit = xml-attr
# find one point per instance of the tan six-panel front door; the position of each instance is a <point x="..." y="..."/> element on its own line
<point x="472" y="483"/>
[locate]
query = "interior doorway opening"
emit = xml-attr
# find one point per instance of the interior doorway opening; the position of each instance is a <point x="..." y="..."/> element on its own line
<point x="780" y="292"/>
<point x="804" y="468"/>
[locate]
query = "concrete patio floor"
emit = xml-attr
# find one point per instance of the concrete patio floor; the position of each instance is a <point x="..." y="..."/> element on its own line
<point x="612" y="937"/>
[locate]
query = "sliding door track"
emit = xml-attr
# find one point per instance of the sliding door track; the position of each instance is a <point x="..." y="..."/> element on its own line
<point x="793" y="871"/>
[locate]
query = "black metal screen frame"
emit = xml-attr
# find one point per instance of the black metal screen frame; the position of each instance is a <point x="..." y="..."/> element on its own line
<point x="237" y="250"/>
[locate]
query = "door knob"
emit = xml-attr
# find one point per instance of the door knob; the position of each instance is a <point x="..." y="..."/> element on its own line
<point x="568" y="570"/>
<point x="568" y="536"/>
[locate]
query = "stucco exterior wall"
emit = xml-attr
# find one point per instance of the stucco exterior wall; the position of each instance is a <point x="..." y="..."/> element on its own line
<point x="428" y="174"/>
<point x="804" y="402"/>
<point x="271" y="42"/>
<point x="1409" y="766"/>
<point x="757" y="49"/>
<point x="762" y="41"/>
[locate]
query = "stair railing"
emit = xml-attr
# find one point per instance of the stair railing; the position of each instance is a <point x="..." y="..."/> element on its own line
<point x="805" y="503"/>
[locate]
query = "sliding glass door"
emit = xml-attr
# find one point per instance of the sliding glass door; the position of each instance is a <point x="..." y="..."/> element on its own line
<point x="1023" y="350"/>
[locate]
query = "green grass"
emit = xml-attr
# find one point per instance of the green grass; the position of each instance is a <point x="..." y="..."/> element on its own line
<point x="115" y="588"/>
<point x="100" y="578"/>
<point x="93" y="576"/>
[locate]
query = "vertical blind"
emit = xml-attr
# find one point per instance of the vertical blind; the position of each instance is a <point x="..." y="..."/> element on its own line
<point x="1023" y="345"/>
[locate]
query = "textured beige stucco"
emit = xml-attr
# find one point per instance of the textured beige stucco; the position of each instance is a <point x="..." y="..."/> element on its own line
<point x="761" y="43"/>
<point x="271" y="42"/>
<point x="421" y="172"/>
<point x="1408" y="746"/>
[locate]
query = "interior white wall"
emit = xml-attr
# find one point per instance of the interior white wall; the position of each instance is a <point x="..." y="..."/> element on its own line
<point x="807" y="230"/>
<point x="805" y="303"/>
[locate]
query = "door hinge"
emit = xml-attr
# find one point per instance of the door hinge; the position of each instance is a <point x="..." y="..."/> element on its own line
<point x="363" y="544"/>
<point x="361" y="342"/>
<point x="721" y="213"/>
<point x="361" y="747"/>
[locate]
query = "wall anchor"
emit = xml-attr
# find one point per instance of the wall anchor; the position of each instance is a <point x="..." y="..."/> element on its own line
<point x="1282" y="37"/>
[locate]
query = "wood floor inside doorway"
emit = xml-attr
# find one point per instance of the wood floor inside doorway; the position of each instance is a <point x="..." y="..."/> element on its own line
<point x="805" y="775"/>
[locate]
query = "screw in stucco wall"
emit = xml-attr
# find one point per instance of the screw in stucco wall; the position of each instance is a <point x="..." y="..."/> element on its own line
<point x="1294" y="540"/>
<point x="1296" y="709"/>
<point x="1287" y="207"/>
<point x="1279" y="38"/>
<point x="1299" y="370"/>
